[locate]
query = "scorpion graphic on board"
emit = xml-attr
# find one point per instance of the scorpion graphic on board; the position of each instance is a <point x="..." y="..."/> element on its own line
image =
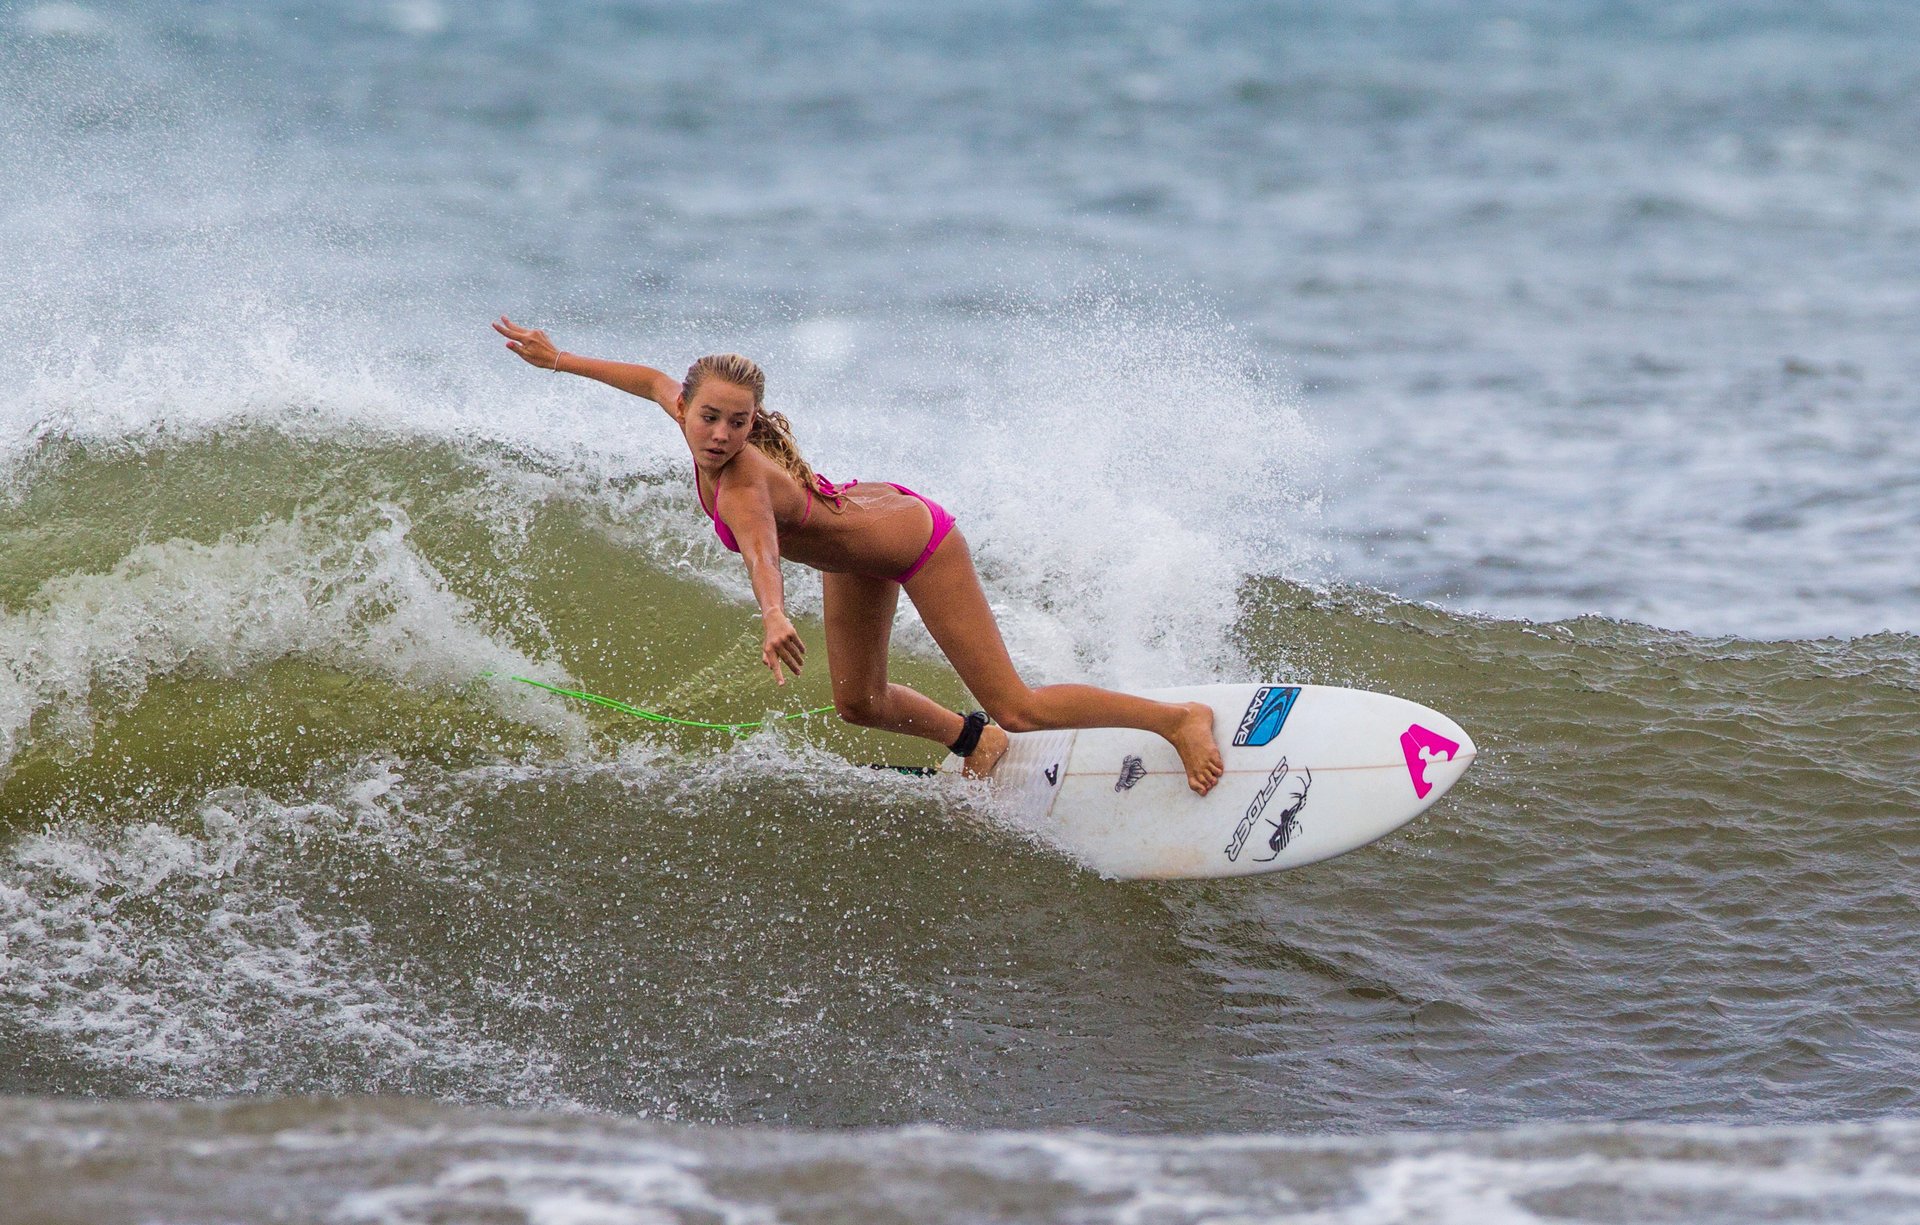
<point x="1288" y="822"/>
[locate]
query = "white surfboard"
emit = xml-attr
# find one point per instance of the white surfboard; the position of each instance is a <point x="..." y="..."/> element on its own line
<point x="1311" y="772"/>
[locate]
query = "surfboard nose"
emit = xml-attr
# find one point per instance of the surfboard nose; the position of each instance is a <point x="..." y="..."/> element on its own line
<point x="1468" y="750"/>
<point x="1437" y="751"/>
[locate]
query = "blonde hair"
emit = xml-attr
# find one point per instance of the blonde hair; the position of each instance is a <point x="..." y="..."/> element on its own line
<point x="771" y="432"/>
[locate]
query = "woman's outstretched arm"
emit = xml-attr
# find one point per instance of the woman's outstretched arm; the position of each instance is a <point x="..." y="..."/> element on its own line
<point x="748" y="512"/>
<point x="536" y="349"/>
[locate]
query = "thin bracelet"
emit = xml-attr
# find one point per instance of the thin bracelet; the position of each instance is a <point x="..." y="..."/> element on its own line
<point x="556" y="361"/>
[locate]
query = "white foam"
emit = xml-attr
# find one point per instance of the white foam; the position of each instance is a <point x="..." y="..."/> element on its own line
<point x="1479" y="1189"/>
<point x="63" y="21"/>
<point x="365" y="602"/>
<point x="1515" y="1177"/>
<point x="172" y="954"/>
<point x="1118" y="466"/>
<point x="644" y="1185"/>
<point x="395" y="1162"/>
<point x="419" y="18"/>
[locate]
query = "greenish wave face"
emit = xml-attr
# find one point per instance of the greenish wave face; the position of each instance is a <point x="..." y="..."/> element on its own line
<point x="244" y="607"/>
<point x="268" y="827"/>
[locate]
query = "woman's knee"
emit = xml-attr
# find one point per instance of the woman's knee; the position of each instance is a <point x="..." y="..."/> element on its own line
<point x="861" y="710"/>
<point x="1015" y="714"/>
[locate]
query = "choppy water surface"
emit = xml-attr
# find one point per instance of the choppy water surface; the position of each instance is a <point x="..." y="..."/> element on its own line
<point x="1546" y="366"/>
<point x="405" y="1162"/>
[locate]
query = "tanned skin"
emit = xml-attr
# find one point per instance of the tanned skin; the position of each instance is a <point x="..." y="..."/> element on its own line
<point x="878" y="531"/>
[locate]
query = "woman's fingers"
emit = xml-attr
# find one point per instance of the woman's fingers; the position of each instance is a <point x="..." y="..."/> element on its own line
<point x="507" y="327"/>
<point x="530" y="344"/>
<point x="787" y="649"/>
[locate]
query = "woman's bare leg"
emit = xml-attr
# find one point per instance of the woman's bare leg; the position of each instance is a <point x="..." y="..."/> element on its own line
<point x="947" y="593"/>
<point x="859" y="615"/>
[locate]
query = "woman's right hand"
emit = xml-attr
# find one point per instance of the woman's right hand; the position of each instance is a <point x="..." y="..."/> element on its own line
<point x="530" y="343"/>
<point x="780" y="644"/>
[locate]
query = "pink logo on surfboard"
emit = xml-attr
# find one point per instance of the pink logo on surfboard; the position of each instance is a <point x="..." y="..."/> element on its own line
<point x="1422" y="746"/>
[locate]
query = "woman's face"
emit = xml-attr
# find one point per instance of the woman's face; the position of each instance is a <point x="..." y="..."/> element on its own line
<point x="718" y="418"/>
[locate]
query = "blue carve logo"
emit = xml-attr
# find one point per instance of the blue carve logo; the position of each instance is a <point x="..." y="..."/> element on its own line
<point x="1266" y="715"/>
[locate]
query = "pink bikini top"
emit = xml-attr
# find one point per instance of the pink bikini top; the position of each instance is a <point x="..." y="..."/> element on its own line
<point x="823" y="488"/>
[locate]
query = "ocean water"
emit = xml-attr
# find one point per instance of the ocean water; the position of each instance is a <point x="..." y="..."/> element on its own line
<point x="1549" y="364"/>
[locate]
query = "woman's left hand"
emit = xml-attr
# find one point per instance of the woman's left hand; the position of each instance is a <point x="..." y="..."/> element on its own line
<point x="532" y="344"/>
<point x="781" y="645"/>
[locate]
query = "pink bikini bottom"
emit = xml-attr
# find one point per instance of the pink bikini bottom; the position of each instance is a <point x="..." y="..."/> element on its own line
<point x="942" y="524"/>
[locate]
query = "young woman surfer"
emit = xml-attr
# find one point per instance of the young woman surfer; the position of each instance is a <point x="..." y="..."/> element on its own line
<point x="870" y="540"/>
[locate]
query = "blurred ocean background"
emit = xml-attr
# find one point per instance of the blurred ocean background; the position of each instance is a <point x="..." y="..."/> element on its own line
<point x="1550" y="364"/>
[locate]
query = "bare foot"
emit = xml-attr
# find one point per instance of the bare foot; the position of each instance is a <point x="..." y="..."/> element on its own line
<point x="992" y="747"/>
<point x="1199" y="752"/>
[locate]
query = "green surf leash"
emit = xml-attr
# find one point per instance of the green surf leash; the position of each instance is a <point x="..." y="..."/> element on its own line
<point x="654" y="716"/>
